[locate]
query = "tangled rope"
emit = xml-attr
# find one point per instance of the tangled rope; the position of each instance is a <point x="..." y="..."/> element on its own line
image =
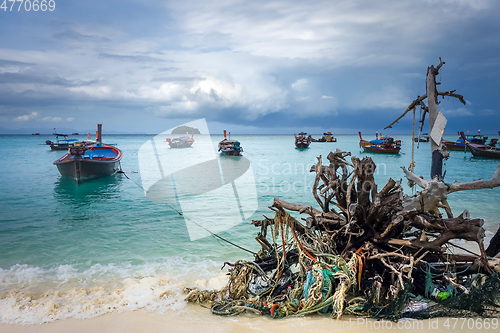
<point x="297" y="284"/>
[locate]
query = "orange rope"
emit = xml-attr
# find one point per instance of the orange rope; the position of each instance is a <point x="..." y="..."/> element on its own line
<point x="273" y="308"/>
<point x="298" y="242"/>
<point x="360" y="262"/>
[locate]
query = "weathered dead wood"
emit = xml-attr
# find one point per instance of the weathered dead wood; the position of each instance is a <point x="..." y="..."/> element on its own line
<point x="420" y="101"/>
<point x="401" y="231"/>
<point x="456" y="228"/>
<point x="494" y="246"/>
<point x="436" y="192"/>
<point x="477" y="184"/>
<point x="301" y="208"/>
<point x="318" y="170"/>
<point x="366" y="183"/>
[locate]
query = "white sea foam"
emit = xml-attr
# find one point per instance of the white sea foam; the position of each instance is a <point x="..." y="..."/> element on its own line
<point x="33" y="295"/>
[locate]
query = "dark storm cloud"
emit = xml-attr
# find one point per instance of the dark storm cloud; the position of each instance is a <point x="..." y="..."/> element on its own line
<point x="168" y="69"/>
<point x="6" y="63"/>
<point x="18" y="78"/>
<point x="261" y="64"/>
<point x="175" y="79"/>
<point x="135" y="58"/>
<point x="70" y="34"/>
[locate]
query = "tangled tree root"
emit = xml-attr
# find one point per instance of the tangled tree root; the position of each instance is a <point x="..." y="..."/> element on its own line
<point x="362" y="252"/>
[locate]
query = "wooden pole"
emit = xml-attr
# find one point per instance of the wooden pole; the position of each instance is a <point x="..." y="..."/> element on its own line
<point x="437" y="156"/>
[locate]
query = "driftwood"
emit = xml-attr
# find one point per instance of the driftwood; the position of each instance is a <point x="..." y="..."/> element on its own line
<point x="367" y="246"/>
<point x="435" y="192"/>
<point x="397" y="236"/>
<point x="363" y="245"/>
<point x="494" y="247"/>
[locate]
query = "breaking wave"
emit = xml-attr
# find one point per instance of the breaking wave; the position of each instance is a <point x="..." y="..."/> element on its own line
<point x="34" y="295"/>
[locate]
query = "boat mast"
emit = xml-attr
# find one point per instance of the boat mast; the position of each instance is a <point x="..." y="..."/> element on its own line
<point x="99" y="133"/>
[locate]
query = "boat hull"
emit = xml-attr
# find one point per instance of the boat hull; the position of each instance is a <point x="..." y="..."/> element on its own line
<point x="82" y="170"/>
<point x="180" y="144"/>
<point x="450" y="145"/>
<point x="380" y="150"/>
<point x="371" y="148"/>
<point x="59" y="147"/>
<point x="302" y="145"/>
<point x="230" y="152"/>
<point x="484" y="151"/>
<point x="96" y="161"/>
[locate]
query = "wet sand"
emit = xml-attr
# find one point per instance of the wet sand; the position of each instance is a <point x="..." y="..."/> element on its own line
<point x="195" y="319"/>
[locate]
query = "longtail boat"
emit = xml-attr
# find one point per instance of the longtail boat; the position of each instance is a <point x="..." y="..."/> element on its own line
<point x="384" y="145"/>
<point x="182" y="142"/>
<point x="302" y="141"/>
<point x="455" y="145"/>
<point x="230" y="147"/>
<point x="61" y="144"/>
<point x="85" y="161"/>
<point x="424" y="137"/>
<point x="328" y="137"/>
<point x="460" y="143"/>
<point x="479" y="150"/>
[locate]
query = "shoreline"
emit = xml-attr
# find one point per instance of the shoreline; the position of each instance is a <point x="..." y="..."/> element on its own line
<point x="198" y="319"/>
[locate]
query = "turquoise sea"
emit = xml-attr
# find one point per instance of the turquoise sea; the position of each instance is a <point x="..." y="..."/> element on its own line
<point x="78" y="251"/>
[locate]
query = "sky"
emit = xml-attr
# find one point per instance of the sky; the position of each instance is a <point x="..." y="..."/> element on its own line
<point x="263" y="67"/>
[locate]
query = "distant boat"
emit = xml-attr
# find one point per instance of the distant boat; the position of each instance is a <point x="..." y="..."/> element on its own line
<point x="230" y="147"/>
<point x="382" y="145"/>
<point x="424" y="137"/>
<point x="61" y="144"/>
<point x="76" y="133"/>
<point x="479" y="150"/>
<point x="88" y="161"/>
<point x="35" y="133"/>
<point x="302" y="141"/>
<point x="460" y="143"/>
<point x="328" y="137"/>
<point x="182" y="142"/>
<point x="455" y="145"/>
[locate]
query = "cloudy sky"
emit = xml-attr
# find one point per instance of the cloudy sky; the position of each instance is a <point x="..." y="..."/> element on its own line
<point x="248" y="66"/>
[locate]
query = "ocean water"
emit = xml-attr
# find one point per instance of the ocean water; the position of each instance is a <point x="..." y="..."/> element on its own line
<point x="78" y="251"/>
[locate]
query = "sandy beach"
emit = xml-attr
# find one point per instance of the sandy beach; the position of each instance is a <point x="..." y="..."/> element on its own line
<point x="196" y="319"/>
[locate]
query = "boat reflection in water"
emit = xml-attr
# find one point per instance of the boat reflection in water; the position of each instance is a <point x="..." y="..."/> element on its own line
<point x="80" y="197"/>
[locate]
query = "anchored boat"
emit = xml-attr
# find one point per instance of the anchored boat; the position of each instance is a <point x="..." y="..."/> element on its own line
<point x="182" y="142"/>
<point x="61" y="144"/>
<point x="477" y="139"/>
<point x="302" y="141"/>
<point x="88" y="161"/>
<point x="328" y="137"/>
<point x="382" y="145"/>
<point x="230" y="147"/>
<point x="424" y="137"/>
<point x="479" y="150"/>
